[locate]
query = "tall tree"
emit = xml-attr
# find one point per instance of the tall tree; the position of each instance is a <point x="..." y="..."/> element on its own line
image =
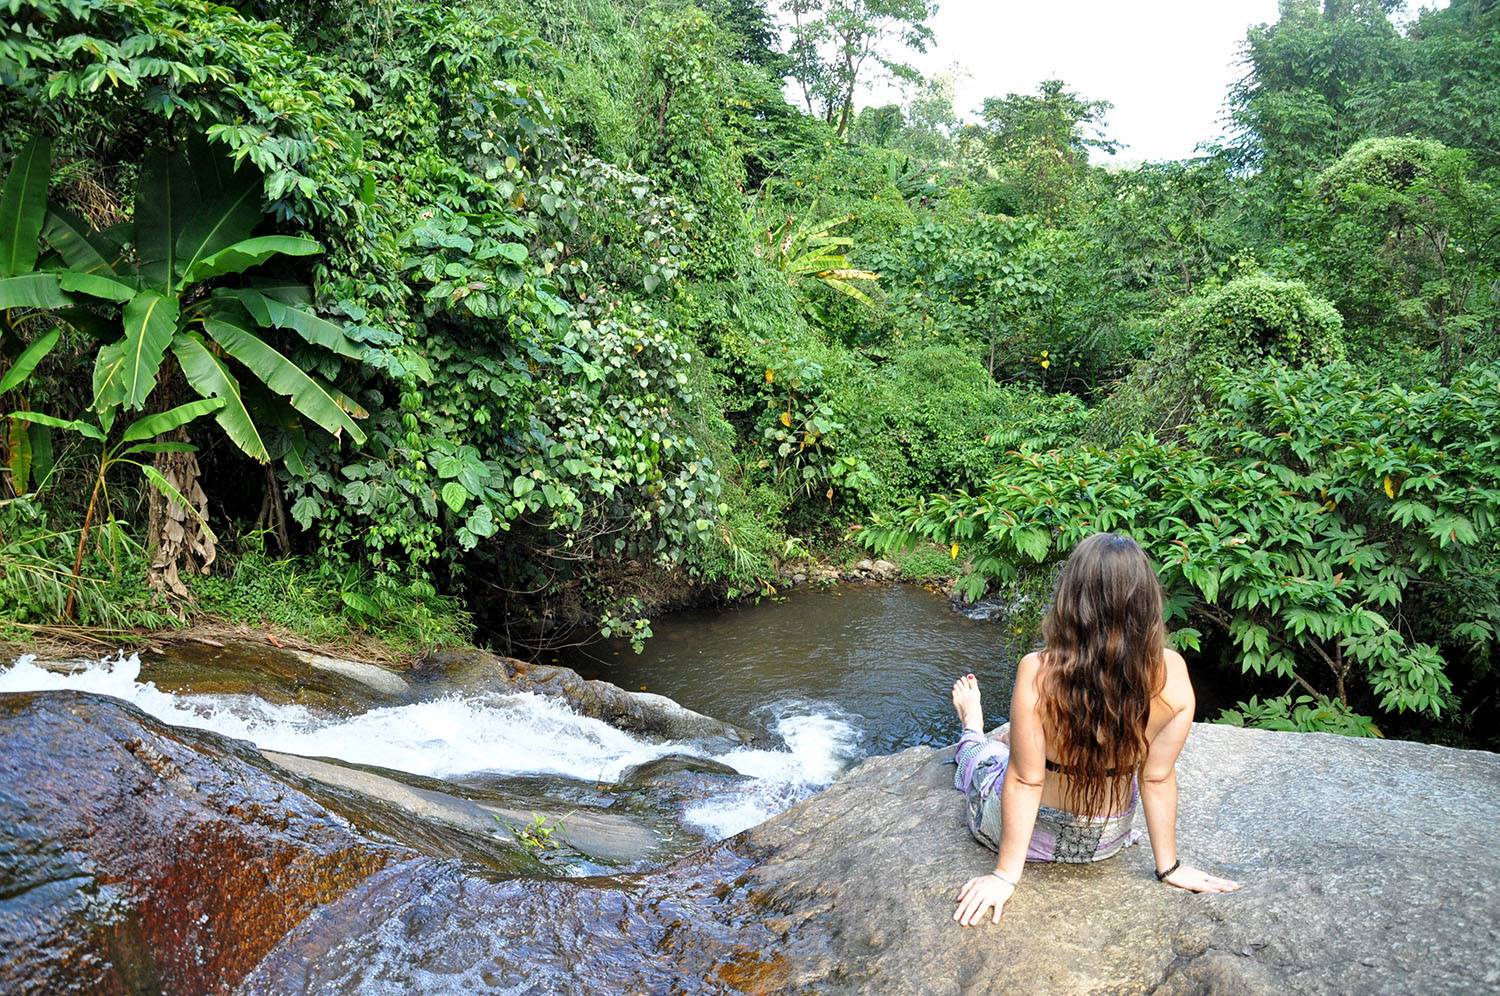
<point x="1035" y="147"/>
<point x="1292" y="109"/>
<point x="924" y="127"/>
<point x="757" y="40"/>
<point x="839" y="44"/>
<point x="1453" y="61"/>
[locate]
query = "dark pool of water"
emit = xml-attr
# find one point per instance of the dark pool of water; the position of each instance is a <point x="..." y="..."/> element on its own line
<point x="882" y="657"/>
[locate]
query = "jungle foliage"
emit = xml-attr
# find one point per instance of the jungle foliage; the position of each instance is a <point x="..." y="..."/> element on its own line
<point x="566" y="310"/>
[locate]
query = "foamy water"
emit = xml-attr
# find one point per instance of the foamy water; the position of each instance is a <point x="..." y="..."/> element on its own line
<point x="511" y="734"/>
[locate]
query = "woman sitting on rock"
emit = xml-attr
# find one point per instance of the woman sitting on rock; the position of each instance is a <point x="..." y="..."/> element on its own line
<point x="1098" y="718"/>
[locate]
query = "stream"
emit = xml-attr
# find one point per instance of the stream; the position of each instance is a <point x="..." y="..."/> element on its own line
<point x="826" y="676"/>
<point x="868" y="667"/>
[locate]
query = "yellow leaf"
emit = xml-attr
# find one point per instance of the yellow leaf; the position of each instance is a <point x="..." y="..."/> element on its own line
<point x="786" y="419"/>
<point x="953" y="551"/>
<point x="1046" y="364"/>
<point x="1390" y="488"/>
<point x="770" y="376"/>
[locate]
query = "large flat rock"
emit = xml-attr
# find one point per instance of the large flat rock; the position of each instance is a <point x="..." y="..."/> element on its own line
<point x="1368" y="866"/>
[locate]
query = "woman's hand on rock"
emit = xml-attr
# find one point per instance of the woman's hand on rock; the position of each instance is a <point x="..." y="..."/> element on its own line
<point x="1190" y="879"/>
<point x="978" y="895"/>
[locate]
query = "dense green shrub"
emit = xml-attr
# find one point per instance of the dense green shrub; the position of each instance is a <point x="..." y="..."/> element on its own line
<point x="951" y="422"/>
<point x="36" y="575"/>
<point x="690" y="146"/>
<point x="1242" y="323"/>
<point x="1257" y="318"/>
<point x="330" y="603"/>
<point x="1342" y="534"/>
<point x="87" y="67"/>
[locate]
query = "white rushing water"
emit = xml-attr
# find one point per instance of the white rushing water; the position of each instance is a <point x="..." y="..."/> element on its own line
<point x="511" y="734"/>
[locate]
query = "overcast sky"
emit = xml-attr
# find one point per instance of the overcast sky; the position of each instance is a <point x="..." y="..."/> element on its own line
<point x="1166" y="65"/>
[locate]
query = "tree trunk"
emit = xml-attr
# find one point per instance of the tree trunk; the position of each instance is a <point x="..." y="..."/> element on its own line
<point x="83" y="539"/>
<point x="272" y="516"/>
<point x="179" y="543"/>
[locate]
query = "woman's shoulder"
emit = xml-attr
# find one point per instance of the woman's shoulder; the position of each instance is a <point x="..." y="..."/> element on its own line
<point x="1177" y="688"/>
<point x="1028" y="674"/>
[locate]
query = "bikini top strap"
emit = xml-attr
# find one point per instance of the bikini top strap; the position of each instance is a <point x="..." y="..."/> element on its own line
<point x="1111" y="773"/>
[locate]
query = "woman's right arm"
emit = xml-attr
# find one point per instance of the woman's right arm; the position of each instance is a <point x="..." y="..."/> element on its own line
<point x="1158" y="782"/>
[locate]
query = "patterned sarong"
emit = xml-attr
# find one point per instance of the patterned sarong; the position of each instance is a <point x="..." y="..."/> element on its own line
<point x="1059" y="835"/>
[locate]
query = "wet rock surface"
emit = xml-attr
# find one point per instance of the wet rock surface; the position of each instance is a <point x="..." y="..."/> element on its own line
<point x="248" y="667"/>
<point x="135" y="856"/>
<point x="432" y="816"/>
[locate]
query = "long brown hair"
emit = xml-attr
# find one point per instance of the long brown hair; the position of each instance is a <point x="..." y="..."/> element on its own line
<point x="1104" y="640"/>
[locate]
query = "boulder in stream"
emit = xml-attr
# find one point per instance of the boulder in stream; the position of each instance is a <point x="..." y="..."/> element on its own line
<point x="449" y="820"/>
<point x="642" y="713"/>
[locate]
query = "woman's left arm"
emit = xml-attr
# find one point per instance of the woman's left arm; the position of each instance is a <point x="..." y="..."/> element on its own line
<point x="1020" y="798"/>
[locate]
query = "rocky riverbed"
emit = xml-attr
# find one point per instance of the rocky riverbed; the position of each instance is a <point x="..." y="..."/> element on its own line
<point x="137" y="856"/>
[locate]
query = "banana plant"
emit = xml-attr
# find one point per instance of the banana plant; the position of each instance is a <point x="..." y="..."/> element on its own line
<point x="138" y="440"/>
<point x="809" y="249"/>
<point x="25" y="292"/>
<point x="195" y="219"/>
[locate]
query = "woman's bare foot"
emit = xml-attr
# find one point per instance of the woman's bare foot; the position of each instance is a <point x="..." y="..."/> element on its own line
<point x="966" y="703"/>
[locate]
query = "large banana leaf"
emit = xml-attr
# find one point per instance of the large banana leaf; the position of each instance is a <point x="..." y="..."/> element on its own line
<point x="218" y="223"/>
<point x="32" y="290"/>
<point x="286" y="291"/>
<point x="81" y="248"/>
<point x="97" y="285"/>
<point x="251" y="252"/>
<point x="214" y="171"/>
<point x="125" y="371"/>
<point x="208" y="375"/>
<point x="27" y="361"/>
<point x="40" y="438"/>
<point x="23" y="206"/>
<point x="277" y="313"/>
<point x="282" y="376"/>
<point x="18" y="456"/>
<point x="173" y="418"/>
<point x="109" y="392"/>
<point x="165" y="199"/>
<point x="72" y="425"/>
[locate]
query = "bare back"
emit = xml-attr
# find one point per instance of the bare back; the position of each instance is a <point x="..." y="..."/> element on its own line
<point x="1166" y="732"/>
